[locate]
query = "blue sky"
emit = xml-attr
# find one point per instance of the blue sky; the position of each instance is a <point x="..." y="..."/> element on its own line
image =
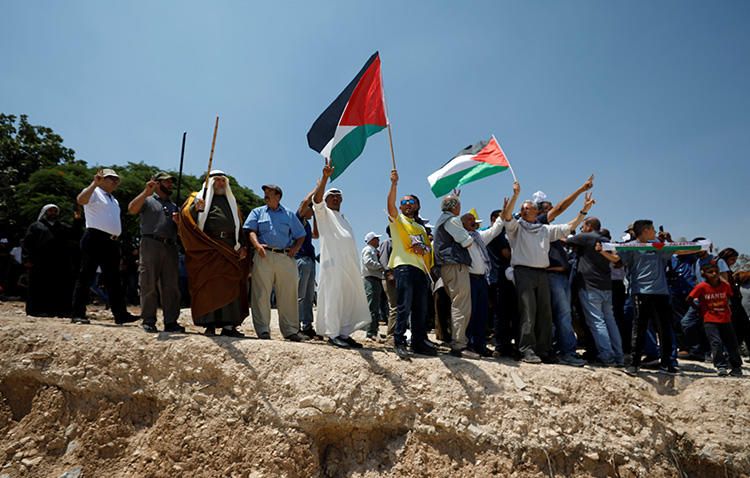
<point x="651" y="97"/>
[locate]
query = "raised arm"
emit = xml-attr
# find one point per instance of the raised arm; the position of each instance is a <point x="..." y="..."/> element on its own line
<point x="508" y="205"/>
<point x="306" y="202"/>
<point x="327" y="171"/>
<point x="610" y="256"/>
<point x="137" y="203"/>
<point x="560" y="207"/>
<point x="588" y="202"/>
<point x="392" y="209"/>
<point x="84" y="196"/>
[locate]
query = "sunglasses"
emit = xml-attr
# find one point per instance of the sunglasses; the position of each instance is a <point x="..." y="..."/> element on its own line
<point x="408" y="201"/>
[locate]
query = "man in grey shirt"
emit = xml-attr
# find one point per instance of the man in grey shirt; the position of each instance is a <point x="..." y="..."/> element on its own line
<point x="372" y="272"/>
<point x="529" y="243"/>
<point x="158" y="273"/>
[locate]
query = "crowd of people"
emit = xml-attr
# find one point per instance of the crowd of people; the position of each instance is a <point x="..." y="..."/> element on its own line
<point x="523" y="287"/>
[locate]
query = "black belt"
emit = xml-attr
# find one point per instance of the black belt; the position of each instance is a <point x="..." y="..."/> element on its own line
<point x="107" y="235"/>
<point x="276" y="250"/>
<point x="221" y="234"/>
<point x="164" y="240"/>
<point x="477" y="276"/>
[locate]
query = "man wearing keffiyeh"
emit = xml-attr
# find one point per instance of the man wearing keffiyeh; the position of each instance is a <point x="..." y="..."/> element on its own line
<point x="529" y="242"/>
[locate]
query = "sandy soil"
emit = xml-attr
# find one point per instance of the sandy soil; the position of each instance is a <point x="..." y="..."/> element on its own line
<point x="102" y="400"/>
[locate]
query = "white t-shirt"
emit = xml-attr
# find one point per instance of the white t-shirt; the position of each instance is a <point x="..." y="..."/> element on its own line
<point x="103" y="212"/>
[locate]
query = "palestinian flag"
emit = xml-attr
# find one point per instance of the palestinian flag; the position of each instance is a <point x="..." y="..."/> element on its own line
<point x="340" y="133"/>
<point x="657" y="246"/>
<point x="473" y="162"/>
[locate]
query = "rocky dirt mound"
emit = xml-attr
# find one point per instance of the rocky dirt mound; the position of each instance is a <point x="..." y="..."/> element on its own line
<point x="102" y="400"/>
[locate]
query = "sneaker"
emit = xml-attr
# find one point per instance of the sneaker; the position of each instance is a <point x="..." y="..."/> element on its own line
<point x="176" y="328"/>
<point x="668" y="370"/>
<point x="352" y="343"/>
<point x="264" y="336"/>
<point x="530" y="357"/>
<point x="736" y="372"/>
<point x="150" y="328"/>
<point x="632" y="370"/>
<point x="309" y="331"/>
<point x="126" y="319"/>
<point x="209" y="332"/>
<point x="372" y="337"/>
<point x="484" y="352"/>
<point x="550" y="359"/>
<point x="722" y="372"/>
<point x="80" y="320"/>
<point x="467" y="353"/>
<point x="401" y="351"/>
<point x="424" y="349"/>
<point x="572" y="360"/>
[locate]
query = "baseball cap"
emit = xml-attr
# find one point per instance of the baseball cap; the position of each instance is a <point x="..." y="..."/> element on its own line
<point x="163" y="176"/>
<point x="109" y="172"/>
<point x="272" y="187"/>
<point x="370" y="236"/>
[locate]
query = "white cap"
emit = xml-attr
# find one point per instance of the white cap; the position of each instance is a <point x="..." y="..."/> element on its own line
<point x="370" y="236"/>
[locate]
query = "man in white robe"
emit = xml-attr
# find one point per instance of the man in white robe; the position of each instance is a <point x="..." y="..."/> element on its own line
<point x="342" y="305"/>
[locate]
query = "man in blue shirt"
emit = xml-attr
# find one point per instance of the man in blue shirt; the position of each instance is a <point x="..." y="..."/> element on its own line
<point x="306" y="267"/>
<point x="277" y="235"/>
<point x="648" y="286"/>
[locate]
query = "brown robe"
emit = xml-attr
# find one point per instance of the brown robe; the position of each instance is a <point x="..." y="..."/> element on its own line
<point x="216" y="274"/>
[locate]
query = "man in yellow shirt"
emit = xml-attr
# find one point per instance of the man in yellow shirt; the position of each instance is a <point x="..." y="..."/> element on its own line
<point x="411" y="260"/>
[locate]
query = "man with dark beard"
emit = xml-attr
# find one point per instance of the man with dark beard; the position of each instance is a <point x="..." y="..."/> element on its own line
<point x="158" y="274"/>
<point x="46" y="254"/>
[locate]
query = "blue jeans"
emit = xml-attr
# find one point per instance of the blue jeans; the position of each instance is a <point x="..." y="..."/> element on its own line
<point x="692" y="328"/>
<point x="412" y="291"/>
<point x="305" y="290"/>
<point x="559" y="289"/>
<point x="597" y="307"/>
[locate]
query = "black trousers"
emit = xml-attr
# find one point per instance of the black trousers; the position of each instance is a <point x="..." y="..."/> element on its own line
<point x="506" y="316"/>
<point x="656" y="308"/>
<point x="99" y="250"/>
<point x="722" y="336"/>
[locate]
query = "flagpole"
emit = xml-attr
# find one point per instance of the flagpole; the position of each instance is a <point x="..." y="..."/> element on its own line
<point x="211" y="157"/>
<point x="506" y="158"/>
<point x="390" y="140"/>
<point x="182" y="157"/>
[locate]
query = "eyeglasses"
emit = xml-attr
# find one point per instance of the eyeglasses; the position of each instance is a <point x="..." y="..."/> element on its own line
<point x="407" y="201"/>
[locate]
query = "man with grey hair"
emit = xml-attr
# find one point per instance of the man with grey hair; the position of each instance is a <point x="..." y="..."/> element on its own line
<point x="529" y="242"/>
<point x="451" y="254"/>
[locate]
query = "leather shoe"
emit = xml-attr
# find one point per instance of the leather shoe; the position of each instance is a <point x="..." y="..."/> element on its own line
<point x="126" y="319"/>
<point x="297" y="337"/>
<point x="233" y="332"/>
<point x="209" y="332"/>
<point x="338" y="342"/>
<point x="352" y="343"/>
<point x="150" y="328"/>
<point x="424" y="349"/>
<point x="401" y="351"/>
<point x="174" y="328"/>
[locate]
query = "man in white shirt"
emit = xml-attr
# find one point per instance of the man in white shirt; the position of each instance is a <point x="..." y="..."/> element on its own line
<point x="529" y="243"/>
<point x="100" y="247"/>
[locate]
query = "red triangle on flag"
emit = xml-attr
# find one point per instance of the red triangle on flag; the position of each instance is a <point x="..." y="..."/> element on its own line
<point x="366" y="105"/>
<point x="492" y="154"/>
<point x="658" y="245"/>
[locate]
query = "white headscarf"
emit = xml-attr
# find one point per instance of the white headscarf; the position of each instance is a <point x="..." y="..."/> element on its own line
<point x="44" y="210"/>
<point x="209" y="195"/>
<point x="539" y="196"/>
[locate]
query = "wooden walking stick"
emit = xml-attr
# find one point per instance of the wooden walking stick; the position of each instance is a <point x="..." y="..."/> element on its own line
<point x="211" y="157"/>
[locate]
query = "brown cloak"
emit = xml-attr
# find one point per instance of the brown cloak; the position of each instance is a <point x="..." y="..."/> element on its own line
<point x="216" y="274"/>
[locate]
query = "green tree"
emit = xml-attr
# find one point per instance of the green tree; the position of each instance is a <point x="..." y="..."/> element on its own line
<point x="25" y="149"/>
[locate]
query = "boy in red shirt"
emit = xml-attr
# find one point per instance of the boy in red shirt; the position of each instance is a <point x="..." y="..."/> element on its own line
<point x="712" y="296"/>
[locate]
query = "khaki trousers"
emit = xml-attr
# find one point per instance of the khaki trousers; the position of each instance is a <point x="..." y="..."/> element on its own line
<point x="276" y="272"/>
<point x="392" y="295"/>
<point x="457" y="284"/>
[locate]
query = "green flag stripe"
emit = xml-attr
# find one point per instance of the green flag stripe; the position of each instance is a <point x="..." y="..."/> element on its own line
<point x="350" y="147"/>
<point x="444" y="185"/>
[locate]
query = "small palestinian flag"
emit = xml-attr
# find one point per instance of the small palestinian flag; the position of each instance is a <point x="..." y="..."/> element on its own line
<point x="473" y="162"/>
<point x="340" y="133"/>
<point x="702" y="245"/>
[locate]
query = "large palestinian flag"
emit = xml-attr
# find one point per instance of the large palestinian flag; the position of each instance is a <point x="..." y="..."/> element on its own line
<point x="340" y="133"/>
<point x="473" y="162"/>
